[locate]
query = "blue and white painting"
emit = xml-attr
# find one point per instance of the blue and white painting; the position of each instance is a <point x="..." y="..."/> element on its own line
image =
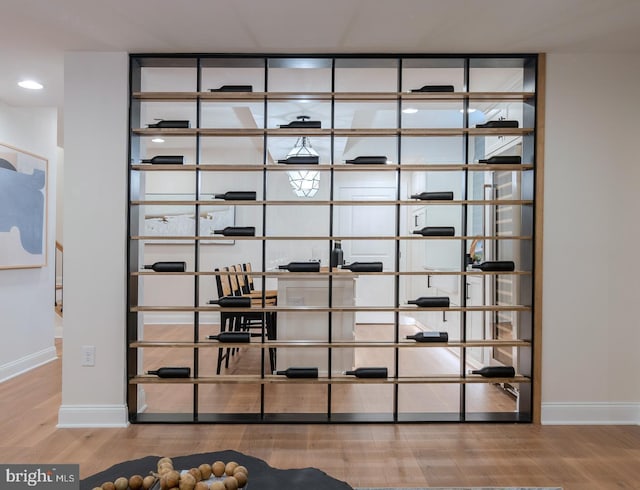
<point x="23" y="209"/>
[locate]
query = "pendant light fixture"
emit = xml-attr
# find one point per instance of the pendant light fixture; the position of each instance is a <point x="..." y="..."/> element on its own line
<point x="305" y="183"/>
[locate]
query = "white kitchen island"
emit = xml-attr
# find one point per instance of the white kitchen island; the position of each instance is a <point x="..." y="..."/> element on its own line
<point x="308" y="326"/>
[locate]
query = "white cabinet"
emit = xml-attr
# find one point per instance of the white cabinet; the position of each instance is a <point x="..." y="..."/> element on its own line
<point x="309" y="326"/>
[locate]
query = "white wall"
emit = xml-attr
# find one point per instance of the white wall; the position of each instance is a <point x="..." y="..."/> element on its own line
<point x="591" y="337"/>
<point x="94" y="214"/>
<point x="26" y="295"/>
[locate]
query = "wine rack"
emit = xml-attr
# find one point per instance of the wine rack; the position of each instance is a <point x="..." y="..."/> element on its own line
<point x="430" y="142"/>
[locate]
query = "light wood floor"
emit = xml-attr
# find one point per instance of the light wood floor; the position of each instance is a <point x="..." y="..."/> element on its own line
<point x="576" y="458"/>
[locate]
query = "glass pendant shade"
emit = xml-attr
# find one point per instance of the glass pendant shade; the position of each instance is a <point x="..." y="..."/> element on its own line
<point x="305" y="183"/>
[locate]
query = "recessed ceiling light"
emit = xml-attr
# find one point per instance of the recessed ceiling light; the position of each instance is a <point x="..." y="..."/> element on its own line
<point x="30" y="84"/>
<point x="410" y="110"/>
<point x="469" y="110"/>
<point x="157" y="140"/>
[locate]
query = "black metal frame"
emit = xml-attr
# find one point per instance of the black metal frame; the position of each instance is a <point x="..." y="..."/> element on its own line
<point x="525" y="410"/>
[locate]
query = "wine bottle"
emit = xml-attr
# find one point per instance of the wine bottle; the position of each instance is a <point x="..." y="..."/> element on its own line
<point x="172" y="372"/>
<point x="301" y="160"/>
<point x="496" y="265"/>
<point x="232" y="302"/>
<point x="236" y="337"/>
<point x="301" y="267"/>
<point x="503" y="123"/>
<point x="430" y="302"/>
<point x="436" y="231"/>
<point x="299" y="372"/>
<point x="237" y="231"/>
<point x="370" y="160"/>
<point x="302" y="122"/>
<point x="237" y="196"/>
<point x="167" y="266"/>
<point x="429" y="337"/>
<point x="503" y="159"/>
<point x="434" y="88"/>
<point x="495" y="372"/>
<point x="233" y="88"/>
<point x="165" y="159"/>
<point x="434" y="196"/>
<point x="368" y="372"/>
<point x="170" y="123"/>
<point x="337" y="255"/>
<point x="364" y="267"/>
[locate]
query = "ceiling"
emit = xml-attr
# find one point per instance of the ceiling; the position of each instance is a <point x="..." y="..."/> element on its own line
<point x="36" y="33"/>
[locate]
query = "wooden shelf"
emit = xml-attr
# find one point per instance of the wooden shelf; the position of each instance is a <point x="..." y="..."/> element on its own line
<point x="339" y="167"/>
<point x="208" y="344"/>
<point x="325" y="237"/>
<point x="218" y="202"/>
<point x="338" y="273"/>
<point x="326" y="309"/>
<point x="341" y="96"/>
<point x="269" y="379"/>
<point x="292" y="132"/>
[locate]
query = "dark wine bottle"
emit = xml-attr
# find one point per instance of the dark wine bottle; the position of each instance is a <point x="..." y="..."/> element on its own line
<point x="301" y="160"/>
<point x="170" y="123"/>
<point x="301" y="267"/>
<point x="503" y="123"/>
<point x="172" y="372"/>
<point x="364" y="267"/>
<point x="237" y="231"/>
<point x="237" y="196"/>
<point x="233" y="88"/>
<point x="337" y="255"/>
<point x="368" y="160"/>
<point x="165" y="160"/>
<point x="302" y="122"/>
<point x="429" y="337"/>
<point x="495" y="372"/>
<point x="235" y="337"/>
<point x="368" y="372"/>
<point x="496" y="265"/>
<point x="436" y="231"/>
<point x="503" y="159"/>
<point x="167" y="266"/>
<point x="434" y="88"/>
<point x="299" y="372"/>
<point x="431" y="302"/>
<point x="232" y="302"/>
<point x="434" y="196"/>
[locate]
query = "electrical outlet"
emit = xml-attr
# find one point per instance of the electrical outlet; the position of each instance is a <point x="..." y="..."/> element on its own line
<point x="88" y="355"/>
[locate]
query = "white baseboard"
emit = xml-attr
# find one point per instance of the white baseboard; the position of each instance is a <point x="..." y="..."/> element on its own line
<point x="590" y="413"/>
<point x="83" y="416"/>
<point x="27" y="363"/>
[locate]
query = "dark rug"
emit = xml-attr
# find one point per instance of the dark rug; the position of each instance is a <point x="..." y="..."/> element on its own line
<point x="261" y="475"/>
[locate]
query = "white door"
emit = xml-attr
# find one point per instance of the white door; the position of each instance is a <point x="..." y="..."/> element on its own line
<point x="370" y="221"/>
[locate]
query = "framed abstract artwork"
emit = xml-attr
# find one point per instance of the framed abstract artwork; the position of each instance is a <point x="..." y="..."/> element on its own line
<point x="23" y="209"/>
